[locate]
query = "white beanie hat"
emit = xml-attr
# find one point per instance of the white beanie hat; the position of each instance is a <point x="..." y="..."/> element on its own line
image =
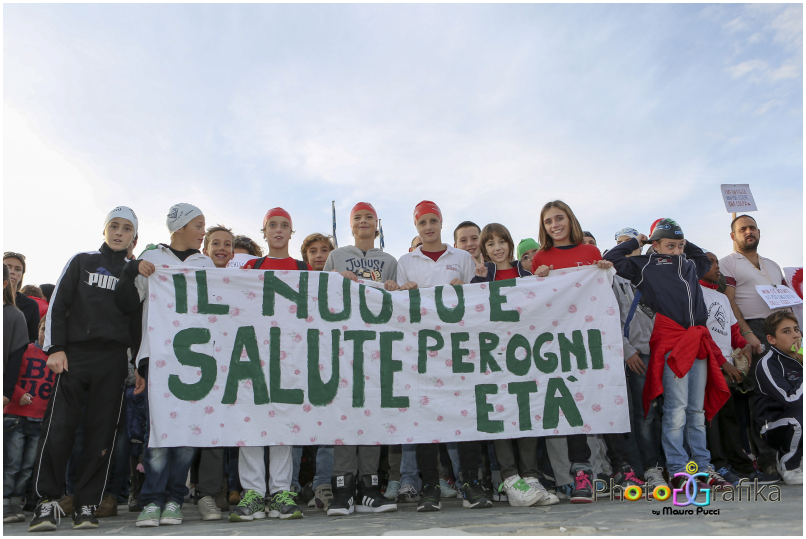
<point x="123" y="212"/>
<point x="181" y="214"/>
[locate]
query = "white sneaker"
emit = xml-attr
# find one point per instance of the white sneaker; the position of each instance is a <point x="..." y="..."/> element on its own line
<point x="790" y="477"/>
<point x="548" y="498"/>
<point x="446" y="490"/>
<point x="519" y="493"/>
<point x="323" y="495"/>
<point x="208" y="509"/>
<point x="654" y="478"/>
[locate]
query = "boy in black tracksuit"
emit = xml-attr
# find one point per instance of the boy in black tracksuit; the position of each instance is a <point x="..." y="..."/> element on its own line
<point x="86" y="337"/>
<point x="779" y="406"/>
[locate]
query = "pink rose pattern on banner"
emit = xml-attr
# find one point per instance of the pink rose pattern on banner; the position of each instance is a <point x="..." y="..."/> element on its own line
<point x="576" y="300"/>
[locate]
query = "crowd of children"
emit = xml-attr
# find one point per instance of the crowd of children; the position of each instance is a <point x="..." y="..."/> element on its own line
<point x="76" y="366"/>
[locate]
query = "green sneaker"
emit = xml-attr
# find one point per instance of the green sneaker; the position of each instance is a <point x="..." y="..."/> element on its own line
<point x="283" y="506"/>
<point x="172" y="514"/>
<point x="250" y="507"/>
<point x="149" y="516"/>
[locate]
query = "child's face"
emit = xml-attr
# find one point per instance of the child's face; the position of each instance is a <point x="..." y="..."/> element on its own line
<point x="42" y="335"/>
<point x="497" y="249"/>
<point x="14" y="266"/>
<point x="277" y="232"/>
<point x="557" y="225"/>
<point x="190" y="236"/>
<point x="416" y="242"/>
<point x="219" y="248"/>
<point x="669" y="247"/>
<point x="528" y="255"/>
<point x="713" y="274"/>
<point x="119" y="234"/>
<point x="787" y="334"/>
<point x="429" y="228"/>
<point x="622" y="239"/>
<point x="317" y="255"/>
<point x="363" y="225"/>
<point x="467" y="239"/>
<point x="587" y="240"/>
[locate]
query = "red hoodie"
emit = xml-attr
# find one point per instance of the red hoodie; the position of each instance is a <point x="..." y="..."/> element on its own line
<point x="43" y="306"/>
<point x="686" y="346"/>
<point x="36" y="380"/>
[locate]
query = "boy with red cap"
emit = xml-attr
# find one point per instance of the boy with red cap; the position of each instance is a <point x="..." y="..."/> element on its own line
<point x="277" y="230"/>
<point x="433" y="264"/>
<point x="685" y="361"/>
<point x="354" y="262"/>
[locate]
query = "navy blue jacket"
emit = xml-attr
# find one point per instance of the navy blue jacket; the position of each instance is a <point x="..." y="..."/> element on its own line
<point x="780" y="388"/>
<point x="668" y="284"/>
<point x="491" y="269"/>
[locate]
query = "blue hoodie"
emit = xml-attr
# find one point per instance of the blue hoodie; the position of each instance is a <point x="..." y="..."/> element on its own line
<point x="669" y="284"/>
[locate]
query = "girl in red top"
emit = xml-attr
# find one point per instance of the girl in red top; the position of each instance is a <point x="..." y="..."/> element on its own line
<point x="561" y="247"/>
<point x="277" y="231"/>
<point x="497" y="250"/>
<point x="561" y="242"/>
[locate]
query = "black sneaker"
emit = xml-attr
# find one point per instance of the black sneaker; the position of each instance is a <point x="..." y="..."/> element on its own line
<point x="430" y="499"/>
<point x="474" y="496"/>
<point x="84" y="518"/>
<point x="343" y="503"/>
<point x="370" y="499"/>
<point x="487" y="486"/>
<point x="583" y="488"/>
<point x="764" y="478"/>
<point x="46" y="517"/>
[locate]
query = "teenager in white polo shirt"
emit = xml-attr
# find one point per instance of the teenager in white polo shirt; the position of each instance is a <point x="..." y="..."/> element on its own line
<point x="743" y="270"/>
<point x="432" y="264"/>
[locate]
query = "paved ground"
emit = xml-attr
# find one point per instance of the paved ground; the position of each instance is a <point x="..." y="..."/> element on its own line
<point x="601" y="518"/>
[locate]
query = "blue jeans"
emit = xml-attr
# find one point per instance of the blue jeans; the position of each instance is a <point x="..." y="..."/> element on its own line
<point x="646" y="430"/>
<point x="408" y="467"/>
<point x="20" y="438"/>
<point x="324" y="465"/>
<point x="684" y="437"/>
<point x="166" y="471"/>
<point x="453" y="453"/>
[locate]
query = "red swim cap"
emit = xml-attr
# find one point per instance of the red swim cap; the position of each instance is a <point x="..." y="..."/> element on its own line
<point x="363" y="206"/>
<point x="277" y="212"/>
<point x="425" y="207"/>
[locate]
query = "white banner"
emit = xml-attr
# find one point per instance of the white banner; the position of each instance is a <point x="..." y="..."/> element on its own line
<point x="249" y="357"/>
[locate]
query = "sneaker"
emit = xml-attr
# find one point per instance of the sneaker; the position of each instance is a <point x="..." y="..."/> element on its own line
<point x="9" y="515"/>
<point x="47" y="516"/>
<point x="134" y="504"/>
<point x="473" y="496"/>
<point x="171" y="514"/>
<point x="149" y="516"/>
<point x="447" y="490"/>
<point x="84" y="517"/>
<point x="626" y="478"/>
<point x="343" y="487"/>
<point x="323" y="496"/>
<point x="564" y="491"/>
<point x="716" y="481"/>
<point x="408" y="494"/>
<point x="583" y="488"/>
<point x="519" y="492"/>
<point x="764" y="478"/>
<point x="234" y="497"/>
<point x="208" y="509"/>
<point x="790" y="477"/>
<point x="108" y="507"/>
<point x="490" y="488"/>
<point x="728" y="475"/>
<point x="548" y="498"/>
<point x="430" y="500"/>
<point x="283" y="506"/>
<point x="654" y="478"/>
<point x="16" y="507"/>
<point x="250" y="507"/>
<point x="369" y="498"/>
<point x="392" y="490"/>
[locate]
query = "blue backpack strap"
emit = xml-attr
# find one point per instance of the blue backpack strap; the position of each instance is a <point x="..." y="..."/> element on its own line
<point x="631" y="313"/>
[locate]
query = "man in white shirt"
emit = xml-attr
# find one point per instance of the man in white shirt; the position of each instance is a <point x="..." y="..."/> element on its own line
<point x="433" y="264"/>
<point x="743" y="270"/>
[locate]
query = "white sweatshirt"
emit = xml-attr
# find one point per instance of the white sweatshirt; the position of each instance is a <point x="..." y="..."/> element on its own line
<point x="453" y="264"/>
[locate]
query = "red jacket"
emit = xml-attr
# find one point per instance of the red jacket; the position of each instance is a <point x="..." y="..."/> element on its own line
<point x="43" y="306"/>
<point x="686" y="347"/>
<point x="35" y="379"/>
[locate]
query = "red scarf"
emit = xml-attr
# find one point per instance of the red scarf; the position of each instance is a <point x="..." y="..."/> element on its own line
<point x="706" y="284"/>
<point x="685" y="346"/>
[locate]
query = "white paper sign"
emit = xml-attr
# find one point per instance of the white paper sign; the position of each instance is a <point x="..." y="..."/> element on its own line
<point x="738" y="198"/>
<point x="794" y="278"/>
<point x="252" y="357"/>
<point x="778" y="296"/>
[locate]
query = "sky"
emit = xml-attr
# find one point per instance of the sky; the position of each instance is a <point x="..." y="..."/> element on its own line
<point x="628" y="113"/>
